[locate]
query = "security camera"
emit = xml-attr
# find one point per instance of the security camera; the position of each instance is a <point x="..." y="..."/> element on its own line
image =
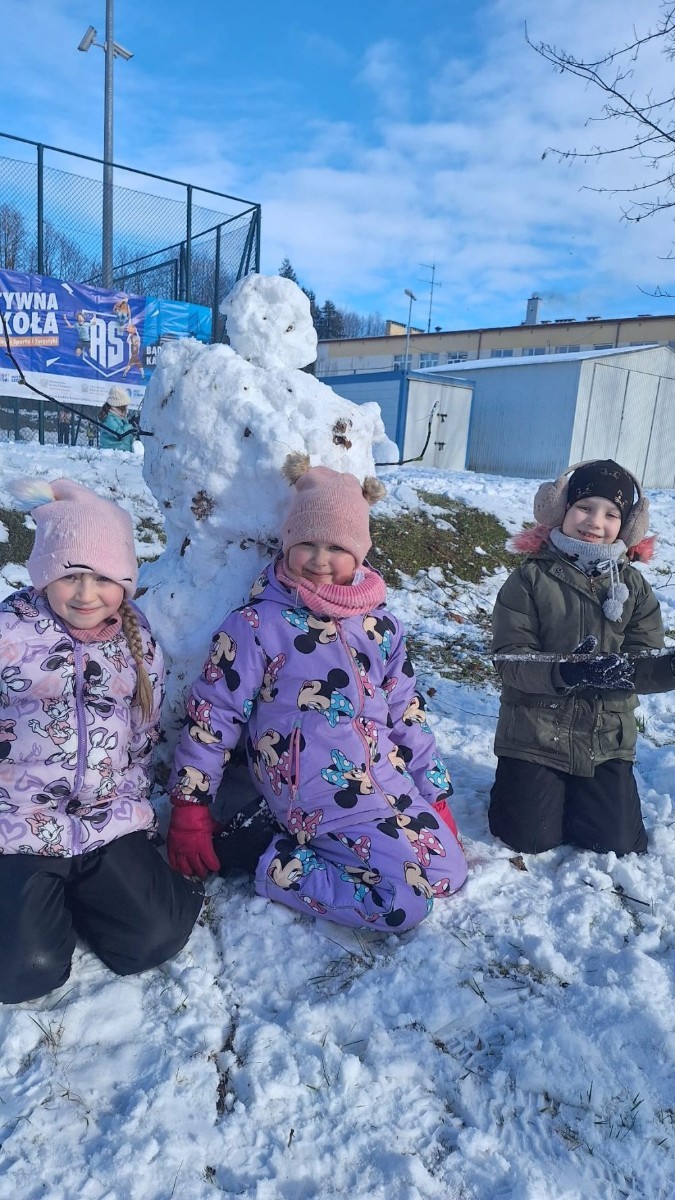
<point x="120" y="52"/>
<point x="88" y="39"/>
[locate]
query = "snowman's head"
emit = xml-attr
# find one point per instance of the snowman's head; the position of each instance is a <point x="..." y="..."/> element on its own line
<point x="269" y="322"/>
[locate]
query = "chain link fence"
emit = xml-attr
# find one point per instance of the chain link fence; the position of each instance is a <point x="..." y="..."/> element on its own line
<point x="35" y="420"/>
<point x="170" y="239"/>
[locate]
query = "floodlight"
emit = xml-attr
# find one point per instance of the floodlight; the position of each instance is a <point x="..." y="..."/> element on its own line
<point x="88" y="39"/>
<point x="120" y="52"/>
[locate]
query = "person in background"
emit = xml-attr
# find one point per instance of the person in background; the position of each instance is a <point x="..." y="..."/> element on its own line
<point x="572" y="630"/>
<point x="118" y="431"/>
<point x="315" y="671"/>
<point x="84" y="680"/>
<point x="64" y="426"/>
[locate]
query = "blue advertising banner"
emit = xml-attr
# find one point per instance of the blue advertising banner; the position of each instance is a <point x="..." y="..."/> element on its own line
<point x="74" y="341"/>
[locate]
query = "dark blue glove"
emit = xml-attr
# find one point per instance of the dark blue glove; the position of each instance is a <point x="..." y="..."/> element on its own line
<point x="588" y="645"/>
<point x="607" y="672"/>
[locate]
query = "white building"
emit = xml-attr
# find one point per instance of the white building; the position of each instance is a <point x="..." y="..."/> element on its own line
<point x="533" y="416"/>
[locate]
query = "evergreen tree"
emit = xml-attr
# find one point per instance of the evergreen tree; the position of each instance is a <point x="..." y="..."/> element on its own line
<point x="332" y="323"/>
<point x="286" y="270"/>
<point x="313" y="307"/>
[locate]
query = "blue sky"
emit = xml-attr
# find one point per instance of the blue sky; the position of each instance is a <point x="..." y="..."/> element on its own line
<point x="377" y="137"/>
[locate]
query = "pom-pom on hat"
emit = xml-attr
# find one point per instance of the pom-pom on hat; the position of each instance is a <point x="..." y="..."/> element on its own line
<point x="77" y="530"/>
<point x="328" y="506"/>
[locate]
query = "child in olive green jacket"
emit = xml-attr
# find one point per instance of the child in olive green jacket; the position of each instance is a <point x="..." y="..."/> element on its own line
<point x="572" y="628"/>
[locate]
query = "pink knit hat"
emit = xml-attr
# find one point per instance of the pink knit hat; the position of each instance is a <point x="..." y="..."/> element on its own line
<point x="77" y="530"/>
<point x="328" y="506"/>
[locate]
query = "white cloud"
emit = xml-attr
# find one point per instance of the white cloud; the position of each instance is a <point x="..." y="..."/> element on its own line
<point x="358" y="204"/>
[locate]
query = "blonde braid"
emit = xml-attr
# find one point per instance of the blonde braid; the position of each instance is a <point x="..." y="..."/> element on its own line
<point x="143" y="695"/>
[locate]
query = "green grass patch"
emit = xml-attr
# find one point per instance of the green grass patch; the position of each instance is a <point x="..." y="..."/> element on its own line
<point x="150" y="530"/>
<point x="415" y="541"/>
<point x="20" y="543"/>
<point x="446" y="539"/>
<point x="463" y="659"/>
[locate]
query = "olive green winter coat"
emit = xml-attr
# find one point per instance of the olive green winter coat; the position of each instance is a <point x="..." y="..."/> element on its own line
<point x="548" y="605"/>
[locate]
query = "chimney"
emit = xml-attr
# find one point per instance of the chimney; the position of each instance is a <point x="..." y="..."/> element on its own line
<point x="532" y="314"/>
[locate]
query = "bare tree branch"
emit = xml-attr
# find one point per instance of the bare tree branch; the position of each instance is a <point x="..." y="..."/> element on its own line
<point x="650" y="118"/>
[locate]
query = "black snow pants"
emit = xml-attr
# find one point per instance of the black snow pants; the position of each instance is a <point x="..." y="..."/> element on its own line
<point x="122" y="899"/>
<point x="534" y="808"/>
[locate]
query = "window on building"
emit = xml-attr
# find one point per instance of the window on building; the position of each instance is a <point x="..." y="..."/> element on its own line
<point x="505" y="353"/>
<point x="429" y="360"/>
<point x="456" y="356"/>
<point x="603" y="346"/>
<point x="401" y="363"/>
<point x="566" y="349"/>
<point x="529" y="351"/>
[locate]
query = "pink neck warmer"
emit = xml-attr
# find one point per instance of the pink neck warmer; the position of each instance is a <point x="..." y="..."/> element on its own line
<point x="336" y="599"/>
<point x="104" y="632"/>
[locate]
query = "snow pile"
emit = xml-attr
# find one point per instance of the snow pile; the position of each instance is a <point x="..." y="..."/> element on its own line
<point x="519" y="1045"/>
<point x="222" y="419"/>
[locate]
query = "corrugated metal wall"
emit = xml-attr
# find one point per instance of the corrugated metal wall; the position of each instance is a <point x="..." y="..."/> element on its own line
<point x="522" y="418"/>
<point x="533" y="420"/>
<point x="626" y="411"/>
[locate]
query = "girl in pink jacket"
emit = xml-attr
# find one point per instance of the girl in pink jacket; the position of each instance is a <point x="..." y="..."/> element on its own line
<point x="81" y="683"/>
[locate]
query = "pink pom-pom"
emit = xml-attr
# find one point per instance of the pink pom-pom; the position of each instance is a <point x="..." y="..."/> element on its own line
<point x="529" y="541"/>
<point x="644" y="550"/>
<point x="31" y="493"/>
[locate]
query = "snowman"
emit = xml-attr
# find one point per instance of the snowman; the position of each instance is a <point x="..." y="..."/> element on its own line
<point x="222" y="420"/>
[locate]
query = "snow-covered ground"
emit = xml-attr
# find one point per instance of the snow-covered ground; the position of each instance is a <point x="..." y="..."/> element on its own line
<point x="519" y="1045"/>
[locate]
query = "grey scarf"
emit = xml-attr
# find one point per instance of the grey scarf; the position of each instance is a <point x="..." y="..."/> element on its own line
<point x="597" y="558"/>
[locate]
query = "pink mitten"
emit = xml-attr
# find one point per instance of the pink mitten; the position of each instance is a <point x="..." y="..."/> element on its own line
<point x="189" y="842"/>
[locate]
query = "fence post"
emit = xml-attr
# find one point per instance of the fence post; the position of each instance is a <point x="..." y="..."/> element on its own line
<point x="41" y="420"/>
<point x="181" y="272"/>
<point x="40" y="210"/>
<point x="216" y="291"/>
<point x="258" y="219"/>
<point x="16" y="418"/>
<point x="188" y="246"/>
<point x="249" y="249"/>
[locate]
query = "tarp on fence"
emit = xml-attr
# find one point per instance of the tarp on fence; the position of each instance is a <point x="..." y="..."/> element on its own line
<point x="74" y="341"/>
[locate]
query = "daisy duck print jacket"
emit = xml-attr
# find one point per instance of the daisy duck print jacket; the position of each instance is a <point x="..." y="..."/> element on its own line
<point x="335" y="731"/>
<point x="75" y="755"/>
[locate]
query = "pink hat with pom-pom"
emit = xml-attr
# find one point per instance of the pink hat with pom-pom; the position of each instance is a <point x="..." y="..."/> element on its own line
<point x="329" y="506"/>
<point x="77" y="530"/>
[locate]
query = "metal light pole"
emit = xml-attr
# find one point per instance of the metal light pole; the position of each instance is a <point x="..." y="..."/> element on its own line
<point x="407" y="332"/>
<point x="112" y="51"/>
<point x="107" y="244"/>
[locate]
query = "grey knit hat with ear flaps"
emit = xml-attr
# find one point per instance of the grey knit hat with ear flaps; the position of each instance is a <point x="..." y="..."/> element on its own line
<point x="552" y="500"/>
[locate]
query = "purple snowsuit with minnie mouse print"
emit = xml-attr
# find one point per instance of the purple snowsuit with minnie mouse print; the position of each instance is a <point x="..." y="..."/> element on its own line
<point x="339" y="746"/>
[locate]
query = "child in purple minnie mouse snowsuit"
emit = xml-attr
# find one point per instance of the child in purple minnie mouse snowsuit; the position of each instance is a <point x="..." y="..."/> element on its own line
<point x="315" y="668"/>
